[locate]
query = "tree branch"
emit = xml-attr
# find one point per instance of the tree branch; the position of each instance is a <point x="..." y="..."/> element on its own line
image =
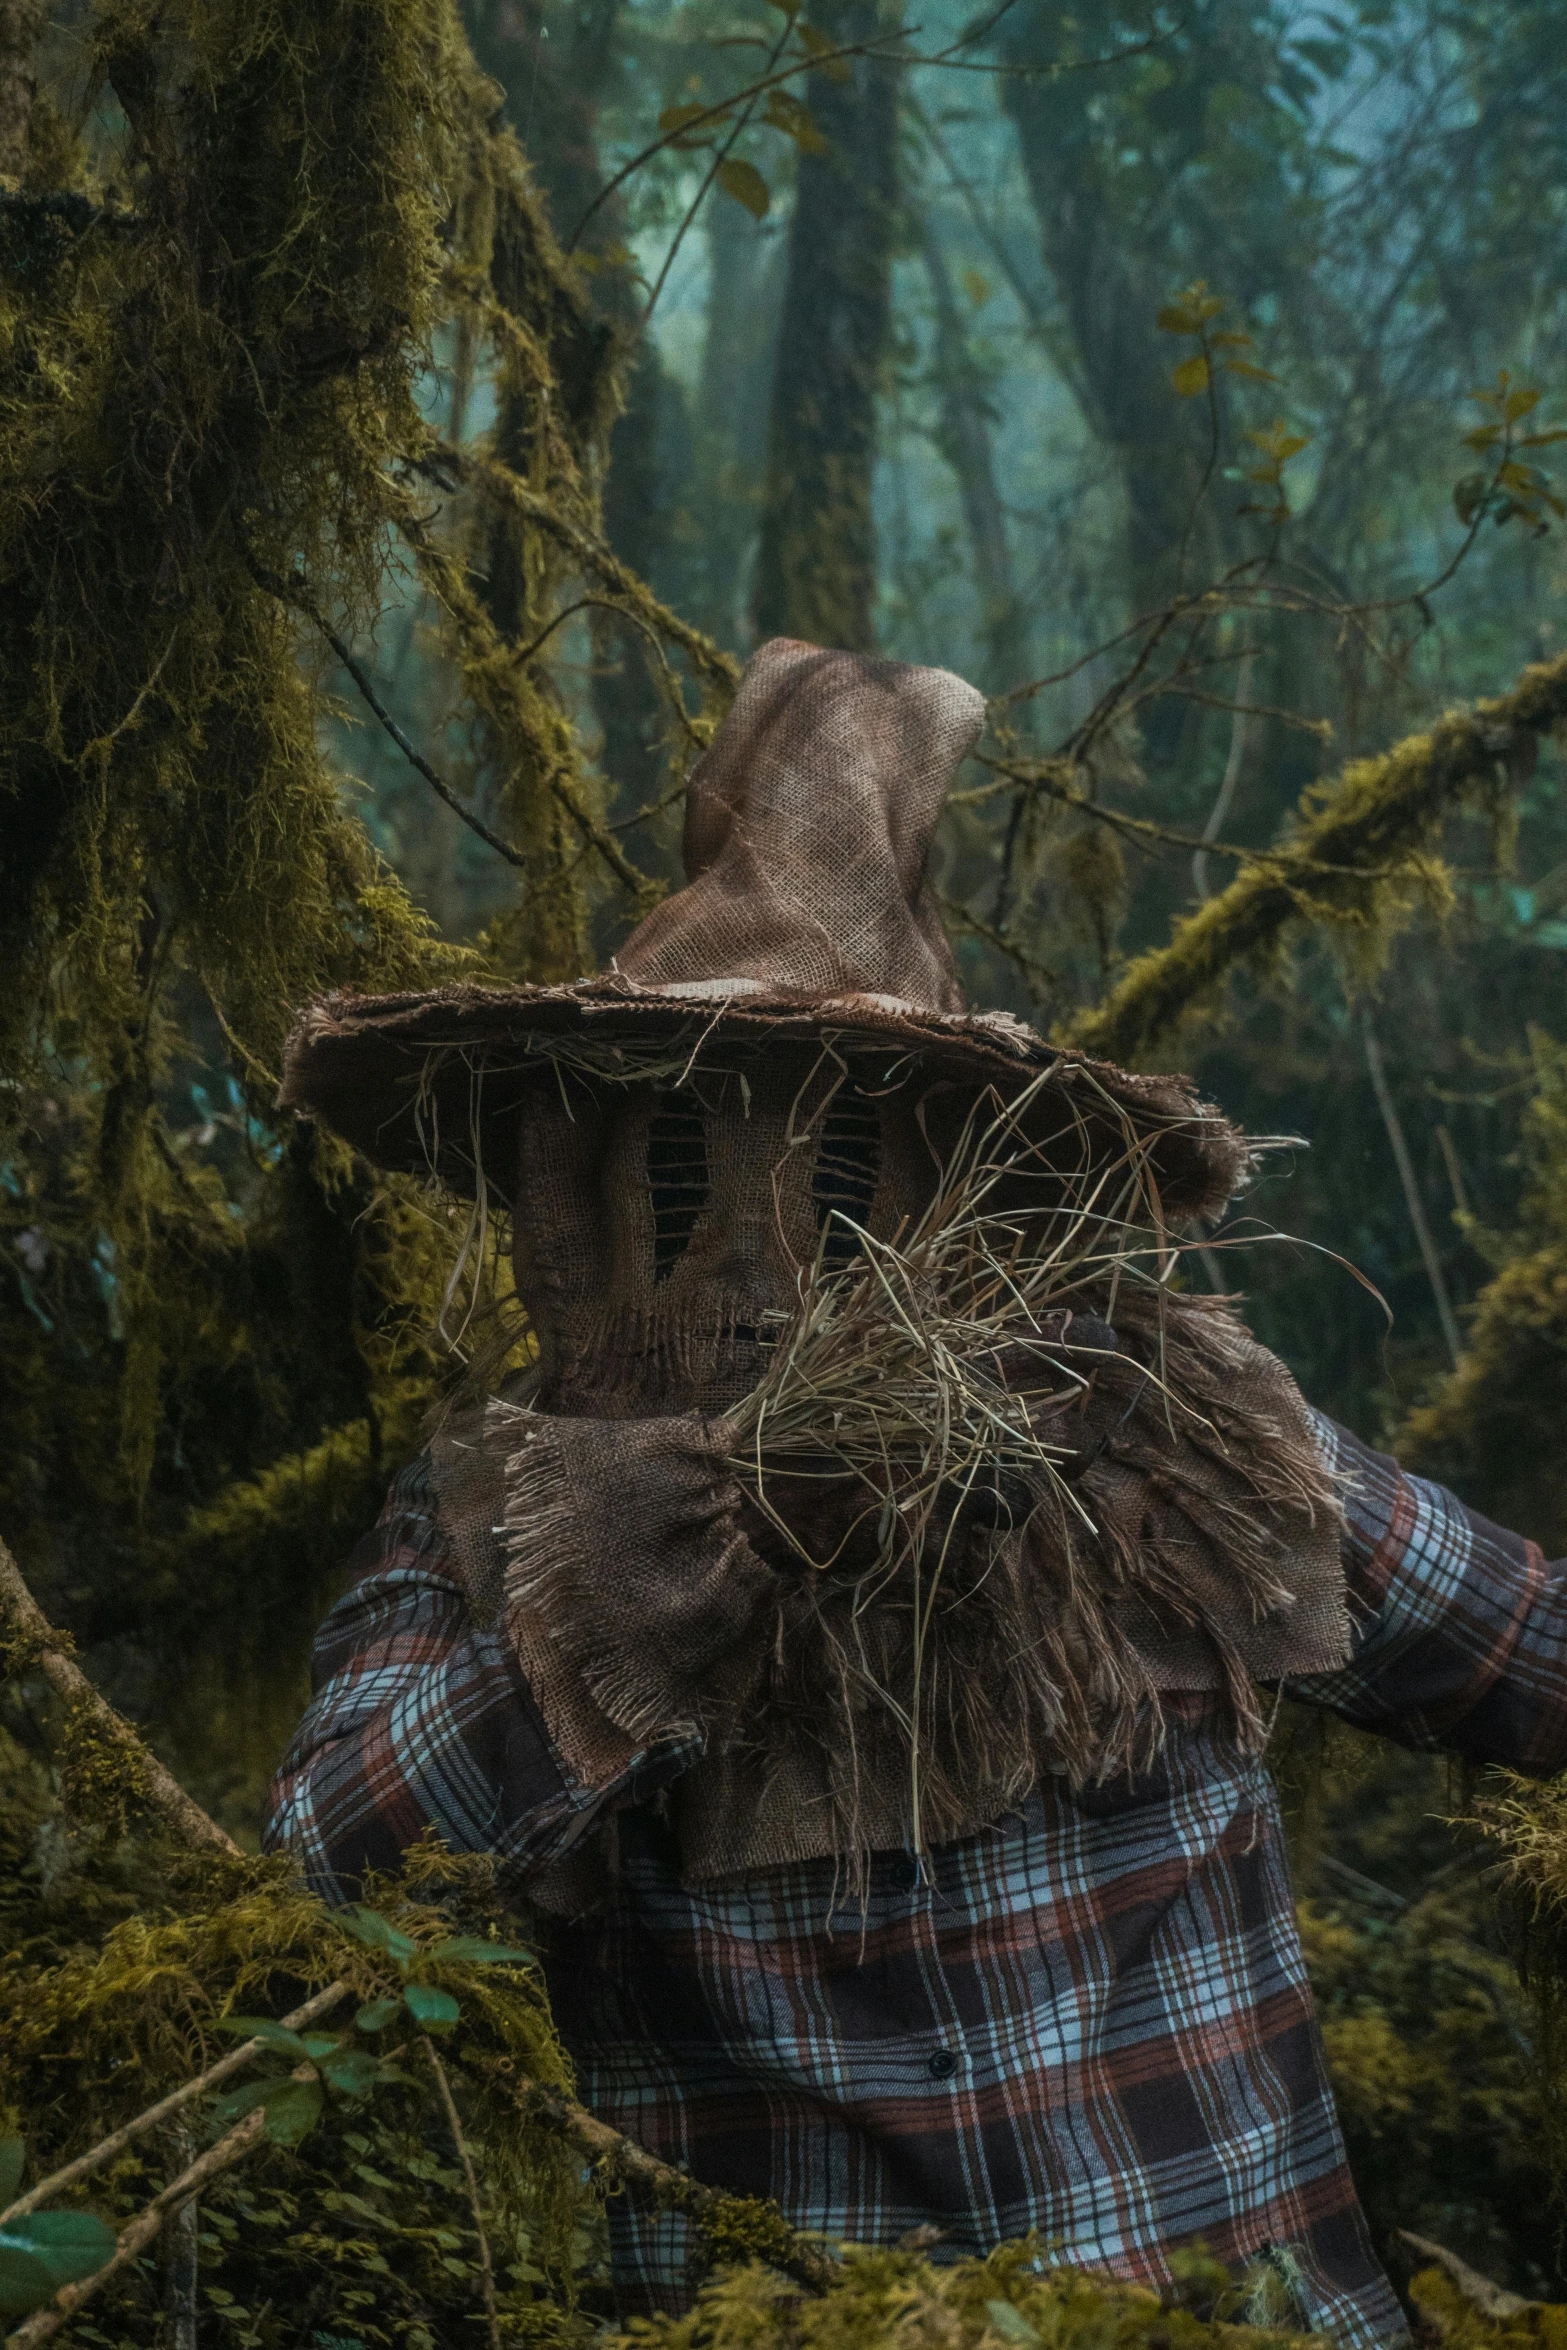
<point x="32" y="1645"/>
<point x="1357" y="840"/>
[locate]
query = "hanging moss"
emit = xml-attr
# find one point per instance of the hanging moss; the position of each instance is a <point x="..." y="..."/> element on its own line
<point x="247" y="235"/>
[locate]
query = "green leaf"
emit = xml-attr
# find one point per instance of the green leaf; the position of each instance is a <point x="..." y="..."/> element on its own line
<point x="1010" y="2323"/>
<point x="745" y="183"/>
<point x="676" y="118"/>
<point x="25" y="2283"/>
<point x="352" y="2072"/>
<point x="977" y="287"/>
<point x="377" y="2015"/>
<point x="46" y="2250"/>
<point x="13" y="2157"/>
<point x="237" y="2102"/>
<point x="436" y="2010"/>
<point x="270" y="2034"/>
<point x="473" y="1950"/>
<point x="1192" y="375"/>
<point x="368" y="1925"/>
<point x="1173" y="319"/>
<point x="293" y="2110"/>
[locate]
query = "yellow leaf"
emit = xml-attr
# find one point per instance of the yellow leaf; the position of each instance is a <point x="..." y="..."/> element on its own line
<point x="675" y="118"/>
<point x="1245" y="367"/>
<point x="977" y="287"/>
<point x="835" y="68"/>
<point x="1519" y="404"/>
<point x="786" y="113"/>
<point x="1173" y="320"/>
<point x="1226" y="342"/>
<point x="745" y="183"/>
<point x="1202" y="305"/>
<point x="1543" y="440"/>
<point x="1192" y="375"/>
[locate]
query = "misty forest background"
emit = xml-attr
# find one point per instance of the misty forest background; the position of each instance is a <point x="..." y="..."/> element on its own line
<point x="1186" y="377"/>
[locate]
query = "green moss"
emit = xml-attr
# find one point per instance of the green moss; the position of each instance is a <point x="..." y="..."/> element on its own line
<point x="1017" y="2299"/>
<point x="1362" y="858"/>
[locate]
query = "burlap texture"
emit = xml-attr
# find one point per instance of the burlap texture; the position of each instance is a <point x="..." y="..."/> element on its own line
<point x="1209" y="1561"/>
<point x="807" y="826"/>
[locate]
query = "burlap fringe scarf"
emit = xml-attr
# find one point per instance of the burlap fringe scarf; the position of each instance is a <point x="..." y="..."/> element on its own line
<point x="843" y="1715"/>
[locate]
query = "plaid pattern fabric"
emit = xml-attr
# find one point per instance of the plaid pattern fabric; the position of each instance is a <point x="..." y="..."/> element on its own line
<point x="1092" y="2019"/>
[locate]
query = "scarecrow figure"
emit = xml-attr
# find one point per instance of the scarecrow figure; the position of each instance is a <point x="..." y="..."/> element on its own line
<point x="855" y="1632"/>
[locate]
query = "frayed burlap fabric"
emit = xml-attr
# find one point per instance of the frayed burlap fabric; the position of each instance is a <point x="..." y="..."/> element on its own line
<point x="863" y="1708"/>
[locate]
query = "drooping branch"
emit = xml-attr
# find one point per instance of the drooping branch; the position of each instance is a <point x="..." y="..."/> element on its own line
<point x="1363" y="848"/>
<point x="29" y="1643"/>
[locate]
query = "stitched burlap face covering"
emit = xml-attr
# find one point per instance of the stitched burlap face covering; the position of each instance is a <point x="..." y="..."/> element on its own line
<point x="871" y="1441"/>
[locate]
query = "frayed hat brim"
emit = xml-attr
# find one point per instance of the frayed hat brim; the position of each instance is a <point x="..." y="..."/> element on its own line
<point x="430" y="1083"/>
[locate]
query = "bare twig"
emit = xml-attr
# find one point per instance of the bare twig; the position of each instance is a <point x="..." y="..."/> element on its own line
<point x="453" y="2123"/>
<point x="117" y="2141"/>
<point x="1429" y="1255"/>
<point x="1231" y="777"/>
<point x="145" y="2228"/>
<point x="295" y="593"/>
<point x="32" y="1645"/>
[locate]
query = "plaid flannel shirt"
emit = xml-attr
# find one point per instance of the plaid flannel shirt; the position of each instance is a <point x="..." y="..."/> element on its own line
<point x="1092" y="2019"/>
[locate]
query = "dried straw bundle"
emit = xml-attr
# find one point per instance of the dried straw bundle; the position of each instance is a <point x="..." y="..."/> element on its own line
<point x="938" y="1365"/>
<point x="1064" y="1490"/>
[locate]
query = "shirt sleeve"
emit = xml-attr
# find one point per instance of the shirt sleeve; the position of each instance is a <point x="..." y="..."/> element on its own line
<point x="1460" y="1640"/>
<point x="420" y="1718"/>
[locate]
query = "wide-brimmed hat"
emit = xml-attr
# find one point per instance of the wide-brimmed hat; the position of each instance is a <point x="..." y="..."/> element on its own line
<point x="807" y="913"/>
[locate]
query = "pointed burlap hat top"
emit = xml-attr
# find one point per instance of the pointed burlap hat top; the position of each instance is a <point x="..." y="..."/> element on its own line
<point x="808" y="826"/>
<point x="808" y="912"/>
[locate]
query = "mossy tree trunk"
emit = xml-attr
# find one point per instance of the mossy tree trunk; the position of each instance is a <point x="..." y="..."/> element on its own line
<point x="556" y="82"/>
<point x="816" y="567"/>
<point x="21" y="30"/>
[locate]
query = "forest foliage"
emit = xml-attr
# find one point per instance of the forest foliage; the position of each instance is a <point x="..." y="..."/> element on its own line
<point x="407" y="422"/>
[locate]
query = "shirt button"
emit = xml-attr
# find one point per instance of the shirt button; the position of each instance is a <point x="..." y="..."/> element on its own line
<point x="942" y="2065"/>
<point x="904" y="1874"/>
